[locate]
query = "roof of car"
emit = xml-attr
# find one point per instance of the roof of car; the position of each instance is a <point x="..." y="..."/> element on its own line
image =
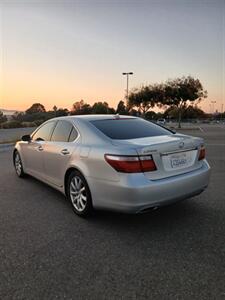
<point x="97" y="117"/>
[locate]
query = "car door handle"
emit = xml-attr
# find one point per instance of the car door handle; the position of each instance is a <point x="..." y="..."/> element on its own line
<point x="65" y="152"/>
<point x="40" y="148"/>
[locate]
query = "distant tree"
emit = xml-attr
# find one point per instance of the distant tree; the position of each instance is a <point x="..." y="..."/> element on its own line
<point x="55" y="109"/>
<point x="189" y="112"/>
<point x="151" y="115"/>
<point x="159" y="115"/>
<point x="121" y="108"/>
<point x="35" y="108"/>
<point x="111" y="110"/>
<point x="134" y="112"/>
<point x="146" y="97"/>
<point x="81" y="108"/>
<point x="180" y="92"/>
<point x="62" y="112"/>
<point x="171" y="112"/>
<point x="102" y="108"/>
<point x="20" y="119"/>
<point x="193" y="112"/>
<point x="57" y="112"/>
<point x="18" y="116"/>
<point x="3" y="118"/>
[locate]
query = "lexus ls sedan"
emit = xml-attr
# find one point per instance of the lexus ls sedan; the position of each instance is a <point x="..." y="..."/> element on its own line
<point x="113" y="162"/>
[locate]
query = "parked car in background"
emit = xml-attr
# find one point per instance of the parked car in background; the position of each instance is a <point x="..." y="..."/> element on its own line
<point x="113" y="162"/>
<point x="161" y="122"/>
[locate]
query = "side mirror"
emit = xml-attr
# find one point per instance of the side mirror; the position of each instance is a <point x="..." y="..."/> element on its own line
<point x="26" y="138"/>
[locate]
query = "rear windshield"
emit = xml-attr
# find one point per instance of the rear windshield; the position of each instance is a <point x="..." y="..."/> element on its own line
<point x="125" y="129"/>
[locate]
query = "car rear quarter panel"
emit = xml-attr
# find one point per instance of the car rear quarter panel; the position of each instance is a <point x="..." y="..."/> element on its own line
<point x="94" y="146"/>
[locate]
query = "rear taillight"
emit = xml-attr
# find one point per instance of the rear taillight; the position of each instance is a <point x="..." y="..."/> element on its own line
<point x="147" y="163"/>
<point x="201" y="154"/>
<point x="131" y="164"/>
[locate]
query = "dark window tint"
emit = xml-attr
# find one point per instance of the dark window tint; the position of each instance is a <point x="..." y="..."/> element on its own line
<point x="44" y="133"/>
<point x="125" y="129"/>
<point x="73" y="135"/>
<point x="61" y="132"/>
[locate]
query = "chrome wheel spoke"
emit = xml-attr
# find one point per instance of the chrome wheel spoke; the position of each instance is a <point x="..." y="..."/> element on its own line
<point x="83" y="197"/>
<point x="74" y="192"/>
<point x="82" y="203"/>
<point x="73" y="186"/>
<point x="75" y="198"/>
<point x="82" y="189"/>
<point x="75" y="202"/>
<point x="77" y="183"/>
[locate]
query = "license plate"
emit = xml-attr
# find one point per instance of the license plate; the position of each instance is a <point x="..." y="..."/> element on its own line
<point x="179" y="161"/>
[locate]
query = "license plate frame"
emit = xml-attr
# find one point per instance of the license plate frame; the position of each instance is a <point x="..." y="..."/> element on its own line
<point x="179" y="160"/>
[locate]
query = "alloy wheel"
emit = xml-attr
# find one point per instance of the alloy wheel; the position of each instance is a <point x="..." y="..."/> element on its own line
<point x="18" y="164"/>
<point x="78" y="193"/>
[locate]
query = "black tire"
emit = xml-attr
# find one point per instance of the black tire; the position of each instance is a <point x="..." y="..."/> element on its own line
<point x="79" y="195"/>
<point x="18" y="164"/>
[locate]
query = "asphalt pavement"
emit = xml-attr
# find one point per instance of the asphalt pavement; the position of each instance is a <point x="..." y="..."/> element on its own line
<point x="176" y="252"/>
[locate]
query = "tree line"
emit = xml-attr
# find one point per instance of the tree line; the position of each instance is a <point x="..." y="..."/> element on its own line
<point x="178" y="98"/>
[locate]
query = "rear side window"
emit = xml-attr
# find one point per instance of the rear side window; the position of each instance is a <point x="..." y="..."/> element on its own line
<point x="62" y="131"/>
<point x="73" y="135"/>
<point x="124" y="129"/>
<point x="44" y="133"/>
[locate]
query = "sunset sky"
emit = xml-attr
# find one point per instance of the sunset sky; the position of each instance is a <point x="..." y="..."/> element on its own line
<point x="58" y="52"/>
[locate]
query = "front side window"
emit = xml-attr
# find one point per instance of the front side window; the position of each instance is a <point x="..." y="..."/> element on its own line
<point x="62" y="131"/>
<point x="44" y="133"/>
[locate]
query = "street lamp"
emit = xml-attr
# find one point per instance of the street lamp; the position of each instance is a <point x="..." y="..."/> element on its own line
<point x="213" y="102"/>
<point x="221" y="111"/>
<point x="127" y="74"/>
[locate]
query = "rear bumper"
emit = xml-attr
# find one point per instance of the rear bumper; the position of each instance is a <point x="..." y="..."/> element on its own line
<point x="135" y="193"/>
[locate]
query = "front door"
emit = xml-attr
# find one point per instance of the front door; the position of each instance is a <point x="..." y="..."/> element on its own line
<point x="33" y="150"/>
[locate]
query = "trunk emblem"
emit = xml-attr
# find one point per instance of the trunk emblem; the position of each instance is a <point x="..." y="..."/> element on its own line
<point x="181" y="145"/>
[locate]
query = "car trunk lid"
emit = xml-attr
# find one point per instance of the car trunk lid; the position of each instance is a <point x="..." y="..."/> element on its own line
<point x="173" y="154"/>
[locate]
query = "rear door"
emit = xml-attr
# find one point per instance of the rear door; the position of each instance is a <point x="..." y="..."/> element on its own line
<point x="58" y="151"/>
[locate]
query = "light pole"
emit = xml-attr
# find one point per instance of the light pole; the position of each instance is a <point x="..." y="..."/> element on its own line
<point x="213" y="102"/>
<point x="127" y="74"/>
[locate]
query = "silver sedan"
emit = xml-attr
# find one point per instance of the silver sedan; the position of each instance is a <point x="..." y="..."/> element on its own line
<point x="113" y="162"/>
